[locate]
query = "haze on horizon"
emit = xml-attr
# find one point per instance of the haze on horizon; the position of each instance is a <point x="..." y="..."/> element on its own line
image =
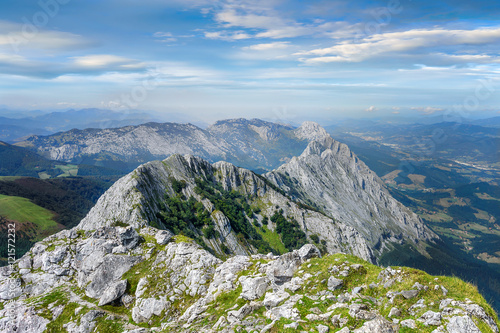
<point x="282" y="60"/>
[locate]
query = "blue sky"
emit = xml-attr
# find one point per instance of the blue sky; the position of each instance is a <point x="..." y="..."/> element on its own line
<point x="282" y="60"/>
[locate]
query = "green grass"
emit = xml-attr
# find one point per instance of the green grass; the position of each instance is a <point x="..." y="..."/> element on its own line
<point x="10" y="178"/>
<point x="69" y="170"/>
<point x="273" y="239"/>
<point x="182" y="239"/>
<point x="22" y="210"/>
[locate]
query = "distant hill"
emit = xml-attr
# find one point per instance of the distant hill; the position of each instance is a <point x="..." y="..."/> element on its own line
<point x="14" y="129"/>
<point x="19" y="161"/>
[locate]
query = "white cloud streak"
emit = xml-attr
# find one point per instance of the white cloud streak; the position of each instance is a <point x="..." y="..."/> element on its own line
<point x="401" y="42"/>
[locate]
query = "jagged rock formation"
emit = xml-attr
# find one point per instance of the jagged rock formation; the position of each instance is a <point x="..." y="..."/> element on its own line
<point x="73" y="282"/>
<point x="329" y="176"/>
<point x="254" y="144"/>
<point x="137" y="200"/>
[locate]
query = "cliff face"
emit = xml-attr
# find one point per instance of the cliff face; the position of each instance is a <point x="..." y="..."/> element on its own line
<point x="331" y="177"/>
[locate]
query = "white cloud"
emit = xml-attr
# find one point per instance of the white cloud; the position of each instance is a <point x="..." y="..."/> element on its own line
<point x="262" y="17"/>
<point x="227" y="35"/>
<point x="14" y="37"/>
<point x="267" y="46"/>
<point x="371" y="109"/>
<point x="400" y="42"/>
<point x="105" y="60"/>
<point x="428" y="110"/>
<point x="166" y="37"/>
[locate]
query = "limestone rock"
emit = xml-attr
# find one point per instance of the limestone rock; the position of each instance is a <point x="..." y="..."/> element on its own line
<point x="113" y="292"/>
<point x="163" y="236"/>
<point x="379" y="325"/>
<point x="431" y="318"/>
<point x="334" y="283"/>
<point x="253" y="288"/>
<point x="463" y="324"/>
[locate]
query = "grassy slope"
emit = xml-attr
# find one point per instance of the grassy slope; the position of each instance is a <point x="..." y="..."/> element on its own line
<point x="22" y="210"/>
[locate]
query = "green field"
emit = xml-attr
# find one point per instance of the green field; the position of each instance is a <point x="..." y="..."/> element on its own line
<point x="69" y="170"/>
<point x="22" y="210"/>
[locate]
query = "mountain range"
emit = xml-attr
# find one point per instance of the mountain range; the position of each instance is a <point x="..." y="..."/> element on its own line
<point x="242" y="187"/>
<point x="254" y="144"/>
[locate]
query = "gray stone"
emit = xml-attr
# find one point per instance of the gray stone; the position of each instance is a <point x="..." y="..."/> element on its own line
<point x="462" y="324"/>
<point x="111" y="270"/>
<point x="272" y="299"/>
<point x="17" y="317"/>
<point x="113" y="292"/>
<point x="87" y="322"/>
<point x="334" y="283"/>
<point x="293" y="325"/>
<point x="410" y="323"/>
<point x="357" y="290"/>
<point x="430" y="318"/>
<point x="10" y="288"/>
<point x="409" y="294"/>
<point x="253" y="288"/>
<point x="128" y="237"/>
<point x="163" y="236"/>
<point x="322" y="328"/>
<point x="395" y="312"/>
<point x="476" y="310"/>
<point x="309" y="251"/>
<point x="379" y="325"/>
<point x="145" y="308"/>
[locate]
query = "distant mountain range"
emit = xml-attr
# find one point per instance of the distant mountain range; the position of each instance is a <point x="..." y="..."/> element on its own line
<point x="14" y="129"/>
<point x="254" y="144"/>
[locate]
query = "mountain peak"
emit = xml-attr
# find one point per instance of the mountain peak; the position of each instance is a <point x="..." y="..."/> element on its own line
<point x="311" y="130"/>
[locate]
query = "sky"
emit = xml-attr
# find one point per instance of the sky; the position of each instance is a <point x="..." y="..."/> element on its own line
<point x="277" y="60"/>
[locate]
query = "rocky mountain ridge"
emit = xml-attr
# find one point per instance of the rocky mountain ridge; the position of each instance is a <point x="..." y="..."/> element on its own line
<point x="119" y="279"/>
<point x="254" y="144"/>
<point x="139" y="200"/>
<point x="326" y="195"/>
<point x="331" y="177"/>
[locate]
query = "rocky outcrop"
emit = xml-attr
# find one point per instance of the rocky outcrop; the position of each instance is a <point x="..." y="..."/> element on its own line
<point x="137" y="198"/>
<point x="176" y="286"/>
<point x="329" y="176"/>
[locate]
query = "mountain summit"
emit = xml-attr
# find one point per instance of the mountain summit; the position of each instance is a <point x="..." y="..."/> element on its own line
<point x="326" y="194"/>
<point x="331" y="177"/>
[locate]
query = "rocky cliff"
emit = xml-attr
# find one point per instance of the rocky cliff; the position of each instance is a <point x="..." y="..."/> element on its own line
<point x="329" y="176"/>
<point x="121" y="279"/>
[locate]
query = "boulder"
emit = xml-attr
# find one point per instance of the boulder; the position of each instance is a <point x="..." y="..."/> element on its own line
<point x="163" y="236"/>
<point x="430" y="318"/>
<point x="462" y="324"/>
<point x="145" y="308"/>
<point x="115" y="291"/>
<point x="253" y="288"/>
<point x="334" y="283"/>
<point x="379" y="325"/>
<point x="409" y="294"/>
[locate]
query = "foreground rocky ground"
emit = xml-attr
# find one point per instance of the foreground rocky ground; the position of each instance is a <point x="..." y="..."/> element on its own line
<point x="118" y="279"/>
